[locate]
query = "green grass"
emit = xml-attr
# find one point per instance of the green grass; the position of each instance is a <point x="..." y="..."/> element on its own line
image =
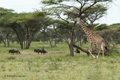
<point x="56" y="65"/>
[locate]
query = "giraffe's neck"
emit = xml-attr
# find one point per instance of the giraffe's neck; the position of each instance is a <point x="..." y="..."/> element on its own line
<point x="85" y="29"/>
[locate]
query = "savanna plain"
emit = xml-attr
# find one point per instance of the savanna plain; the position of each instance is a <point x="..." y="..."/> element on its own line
<point x="57" y="64"/>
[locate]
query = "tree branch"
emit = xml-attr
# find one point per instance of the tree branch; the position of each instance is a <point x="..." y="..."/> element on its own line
<point x="81" y="12"/>
<point x="81" y="49"/>
<point x="61" y="36"/>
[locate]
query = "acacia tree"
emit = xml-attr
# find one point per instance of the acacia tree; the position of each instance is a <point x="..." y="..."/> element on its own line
<point x="25" y="25"/>
<point x="65" y="30"/>
<point x="85" y="11"/>
<point x="4" y="11"/>
<point x="29" y="24"/>
<point x="51" y="37"/>
<point x="91" y="15"/>
<point x="5" y="33"/>
<point x="6" y="36"/>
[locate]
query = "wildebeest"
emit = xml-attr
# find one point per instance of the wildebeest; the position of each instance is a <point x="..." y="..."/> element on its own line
<point x="42" y="51"/>
<point x="77" y="51"/>
<point x="14" y="51"/>
<point x="37" y="50"/>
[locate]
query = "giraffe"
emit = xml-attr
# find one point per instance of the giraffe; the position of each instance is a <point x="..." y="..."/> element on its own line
<point x="93" y="38"/>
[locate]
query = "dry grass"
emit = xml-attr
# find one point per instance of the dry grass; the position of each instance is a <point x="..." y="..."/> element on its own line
<point x="60" y="68"/>
<point x="57" y="65"/>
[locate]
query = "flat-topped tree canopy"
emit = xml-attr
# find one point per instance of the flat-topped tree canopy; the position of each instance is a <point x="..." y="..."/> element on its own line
<point x="68" y="10"/>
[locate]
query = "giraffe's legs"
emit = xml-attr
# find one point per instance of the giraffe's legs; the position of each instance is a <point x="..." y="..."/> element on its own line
<point x="90" y="50"/>
<point x="101" y="48"/>
<point x="103" y="53"/>
<point x="98" y="53"/>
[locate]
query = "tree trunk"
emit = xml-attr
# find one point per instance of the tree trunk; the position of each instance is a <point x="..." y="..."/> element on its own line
<point x="28" y="44"/>
<point x="4" y="43"/>
<point x="71" y="50"/>
<point x="9" y="37"/>
<point x="71" y="45"/>
<point x="19" y="38"/>
<point x="8" y="43"/>
<point x="24" y="44"/>
<point x="55" y="43"/>
<point x="21" y="45"/>
<point x="51" y="43"/>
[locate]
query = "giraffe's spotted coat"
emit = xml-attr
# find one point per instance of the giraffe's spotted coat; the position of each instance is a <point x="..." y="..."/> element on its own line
<point x="93" y="38"/>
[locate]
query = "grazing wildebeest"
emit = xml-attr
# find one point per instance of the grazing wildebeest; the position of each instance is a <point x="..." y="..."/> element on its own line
<point x="11" y="51"/>
<point x="37" y="50"/>
<point x="14" y="51"/>
<point x="42" y="51"/>
<point x="77" y="51"/>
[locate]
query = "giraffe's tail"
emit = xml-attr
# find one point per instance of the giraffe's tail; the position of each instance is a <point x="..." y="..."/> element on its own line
<point x="104" y="46"/>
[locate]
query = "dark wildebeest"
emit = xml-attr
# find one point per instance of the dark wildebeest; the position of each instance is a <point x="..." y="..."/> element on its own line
<point x="77" y="51"/>
<point x="42" y="51"/>
<point x="37" y="50"/>
<point x="14" y="51"/>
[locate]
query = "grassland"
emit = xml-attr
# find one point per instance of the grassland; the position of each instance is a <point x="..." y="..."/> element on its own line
<point x="56" y="64"/>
